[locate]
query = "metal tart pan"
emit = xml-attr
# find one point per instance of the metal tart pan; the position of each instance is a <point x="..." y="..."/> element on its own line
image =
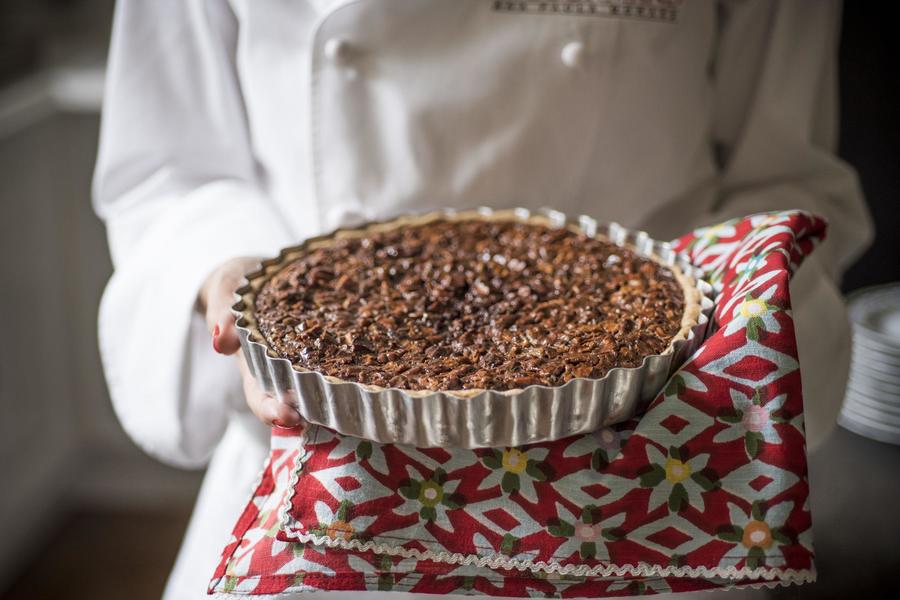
<point x="475" y="418"/>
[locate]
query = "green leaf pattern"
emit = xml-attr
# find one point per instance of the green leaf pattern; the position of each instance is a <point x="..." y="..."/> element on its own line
<point x="515" y="470"/>
<point x="677" y="480"/>
<point x="586" y="534"/>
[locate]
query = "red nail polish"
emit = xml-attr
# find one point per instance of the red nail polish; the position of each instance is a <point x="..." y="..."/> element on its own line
<point x="215" y="339"/>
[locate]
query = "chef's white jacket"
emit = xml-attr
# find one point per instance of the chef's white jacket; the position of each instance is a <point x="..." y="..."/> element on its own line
<point x="233" y="128"/>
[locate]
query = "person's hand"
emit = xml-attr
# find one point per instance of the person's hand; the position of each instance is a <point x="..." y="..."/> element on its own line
<point x="216" y="298"/>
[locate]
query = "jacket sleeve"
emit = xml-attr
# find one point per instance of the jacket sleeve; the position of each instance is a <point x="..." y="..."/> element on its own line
<point x="179" y="191"/>
<point x="775" y="134"/>
<point x="775" y="128"/>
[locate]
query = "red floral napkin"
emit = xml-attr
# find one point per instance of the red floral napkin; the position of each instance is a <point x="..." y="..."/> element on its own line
<point x="706" y="489"/>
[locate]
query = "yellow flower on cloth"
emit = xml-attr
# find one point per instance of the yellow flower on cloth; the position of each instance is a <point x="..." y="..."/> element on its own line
<point x="516" y="470"/>
<point x="676" y="480"/>
<point x="514" y="460"/>
<point x="753" y="315"/>
<point x="676" y="470"/>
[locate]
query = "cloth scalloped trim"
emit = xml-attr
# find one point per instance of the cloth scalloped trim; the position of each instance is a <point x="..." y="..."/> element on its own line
<point x="756" y="585"/>
<point x="499" y="561"/>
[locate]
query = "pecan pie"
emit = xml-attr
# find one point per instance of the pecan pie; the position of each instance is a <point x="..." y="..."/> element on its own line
<point x="471" y="304"/>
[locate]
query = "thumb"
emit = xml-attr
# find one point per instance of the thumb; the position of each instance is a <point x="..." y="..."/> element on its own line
<point x="219" y="297"/>
<point x="225" y="337"/>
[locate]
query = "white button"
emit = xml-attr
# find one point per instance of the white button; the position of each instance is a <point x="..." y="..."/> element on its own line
<point x="572" y="54"/>
<point x="337" y="50"/>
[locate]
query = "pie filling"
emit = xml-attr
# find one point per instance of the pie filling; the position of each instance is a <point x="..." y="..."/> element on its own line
<point x="468" y="305"/>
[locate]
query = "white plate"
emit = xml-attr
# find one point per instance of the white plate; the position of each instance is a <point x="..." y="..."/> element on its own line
<point x="855" y="397"/>
<point x="873" y="365"/>
<point x="877" y="382"/>
<point x="865" y="338"/>
<point x="873" y="392"/>
<point x="883" y="358"/>
<point x="865" y="372"/>
<point x="872" y="402"/>
<point x="888" y="353"/>
<point x="880" y="388"/>
<point x="872" y="416"/>
<point x="877" y="311"/>
<point x="859" y="426"/>
<point x="872" y="419"/>
<point x="880" y="358"/>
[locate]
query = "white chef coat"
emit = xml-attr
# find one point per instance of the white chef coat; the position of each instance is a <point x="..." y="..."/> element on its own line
<point x="232" y="128"/>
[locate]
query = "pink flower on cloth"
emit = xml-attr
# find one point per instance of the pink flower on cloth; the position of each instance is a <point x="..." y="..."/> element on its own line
<point x="706" y="489"/>
<point x="752" y="420"/>
<point x="756" y="418"/>
<point x="586" y="534"/>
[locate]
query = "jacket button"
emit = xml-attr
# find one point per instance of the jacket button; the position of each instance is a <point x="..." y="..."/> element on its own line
<point x="572" y="54"/>
<point x="337" y="50"/>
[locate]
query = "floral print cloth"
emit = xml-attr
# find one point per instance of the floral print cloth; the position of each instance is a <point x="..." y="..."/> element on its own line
<point x="706" y="489"/>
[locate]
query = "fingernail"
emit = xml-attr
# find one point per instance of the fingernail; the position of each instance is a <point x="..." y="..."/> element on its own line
<point x="215" y="339"/>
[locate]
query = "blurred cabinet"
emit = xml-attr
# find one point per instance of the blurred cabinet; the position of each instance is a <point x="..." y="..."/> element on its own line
<point x="60" y="443"/>
<point x="45" y="355"/>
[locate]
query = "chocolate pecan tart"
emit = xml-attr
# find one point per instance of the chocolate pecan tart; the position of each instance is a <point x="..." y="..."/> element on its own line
<point x="469" y="302"/>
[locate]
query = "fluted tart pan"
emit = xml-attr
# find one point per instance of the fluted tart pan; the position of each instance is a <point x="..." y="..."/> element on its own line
<point x="477" y="418"/>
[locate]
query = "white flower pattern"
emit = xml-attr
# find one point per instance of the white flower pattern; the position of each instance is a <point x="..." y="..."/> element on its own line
<point x="754" y="314"/>
<point x="585" y="534"/>
<point x="751" y="420"/>
<point x="515" y="470"/>
<point x="676" y="481"/>
<point x="431" y="497"/>
<point x="340" y="524"/>
<point x="760" y="534"/>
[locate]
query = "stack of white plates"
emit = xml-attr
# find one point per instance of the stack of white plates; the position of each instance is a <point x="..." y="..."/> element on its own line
<point x="872" y="403"/>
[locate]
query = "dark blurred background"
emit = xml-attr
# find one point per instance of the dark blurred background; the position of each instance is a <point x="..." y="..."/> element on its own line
<point x="74" y="484"/>
<point x="870" y="133"/>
